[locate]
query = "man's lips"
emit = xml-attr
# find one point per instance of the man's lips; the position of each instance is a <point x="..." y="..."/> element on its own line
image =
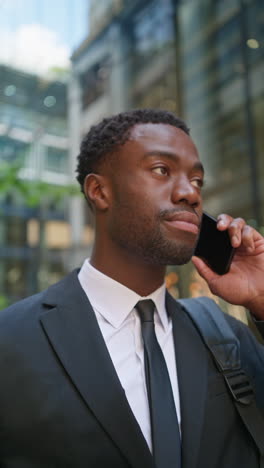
<point x="184" y="221"/>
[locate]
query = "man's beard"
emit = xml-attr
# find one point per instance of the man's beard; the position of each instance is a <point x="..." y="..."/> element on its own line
<point x="151" y="245"/>
<point x="160" y="251"/>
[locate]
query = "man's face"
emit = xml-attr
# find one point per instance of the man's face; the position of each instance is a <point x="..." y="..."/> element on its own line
<point x="155" y="210"/>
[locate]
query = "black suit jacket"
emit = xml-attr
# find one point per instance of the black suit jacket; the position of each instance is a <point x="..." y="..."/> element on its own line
<point x="62" y="405"/>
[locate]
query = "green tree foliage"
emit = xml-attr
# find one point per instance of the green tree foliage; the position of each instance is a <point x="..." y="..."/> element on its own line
<point x="33" y="192"/>
<point x="3" y="302"/>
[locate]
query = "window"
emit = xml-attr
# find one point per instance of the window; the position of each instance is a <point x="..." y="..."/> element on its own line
<point x="153" y="29"/>
<point x="56" y="160"/>
<point x="12" y="150"/>
<point x="94" y="82"/>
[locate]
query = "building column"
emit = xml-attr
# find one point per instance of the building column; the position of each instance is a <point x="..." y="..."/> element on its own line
<point x="76" y="208"/>
<point x="119" y="81"/>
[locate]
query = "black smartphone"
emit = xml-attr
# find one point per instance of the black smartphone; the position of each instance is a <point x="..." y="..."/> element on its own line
<point x="214" y="246"/>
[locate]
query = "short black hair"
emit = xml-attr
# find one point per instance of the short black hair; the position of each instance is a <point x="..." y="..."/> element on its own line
<point x="107" y="136"/>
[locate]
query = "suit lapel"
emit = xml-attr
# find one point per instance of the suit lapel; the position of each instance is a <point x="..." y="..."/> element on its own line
<point x="191" y="362"/>
<point x="74" y="333"/>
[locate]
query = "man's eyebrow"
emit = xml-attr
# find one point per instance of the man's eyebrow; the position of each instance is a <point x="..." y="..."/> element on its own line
<point x="172" y="156"/>
<point x="199" y="167"/>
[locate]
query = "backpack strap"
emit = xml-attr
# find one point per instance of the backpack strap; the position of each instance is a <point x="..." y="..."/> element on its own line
<point x="224" y="346"/>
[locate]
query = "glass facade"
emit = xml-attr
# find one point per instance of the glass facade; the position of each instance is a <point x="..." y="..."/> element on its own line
<point x="152" y="49"/>
<point x="223" y="92"/>
<point x="223" y="96"/>
<point x="152" y="32"/>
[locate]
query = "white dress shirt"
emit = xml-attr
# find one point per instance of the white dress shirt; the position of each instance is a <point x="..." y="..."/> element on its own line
<point x="113" y="304"/>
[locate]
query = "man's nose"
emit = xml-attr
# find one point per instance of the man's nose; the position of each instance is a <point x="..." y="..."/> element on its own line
<point x="185" y="192"/>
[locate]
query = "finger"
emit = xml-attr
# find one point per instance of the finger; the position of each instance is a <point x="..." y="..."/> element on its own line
<point x="235" y="231"/>
<point x="247" y="238"/>
<point x="223" y="221"/>
<point x="235" y="228"/>
<point x="204" y="269"/>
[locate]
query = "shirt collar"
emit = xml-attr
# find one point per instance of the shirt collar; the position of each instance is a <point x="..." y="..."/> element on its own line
<point x="113" y="300"/>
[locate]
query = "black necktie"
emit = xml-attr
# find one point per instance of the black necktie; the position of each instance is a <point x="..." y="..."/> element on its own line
<point x="163" y="416"/>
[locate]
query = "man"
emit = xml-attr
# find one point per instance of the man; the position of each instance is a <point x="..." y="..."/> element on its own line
<point x="74" y="389"/>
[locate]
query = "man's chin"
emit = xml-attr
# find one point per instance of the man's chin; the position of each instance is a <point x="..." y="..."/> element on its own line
<point x="180" y="260"/>
<point x="181" y="256"/>
<point x="163" y="252"/>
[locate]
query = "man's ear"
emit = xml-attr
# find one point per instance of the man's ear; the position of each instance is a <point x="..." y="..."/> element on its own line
<point x="97" y="190"/>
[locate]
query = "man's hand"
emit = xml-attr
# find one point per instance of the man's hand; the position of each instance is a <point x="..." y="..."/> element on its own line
<point x="244" y="283"/>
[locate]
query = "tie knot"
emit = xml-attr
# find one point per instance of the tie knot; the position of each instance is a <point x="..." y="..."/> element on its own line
<point x="145" y="309"/>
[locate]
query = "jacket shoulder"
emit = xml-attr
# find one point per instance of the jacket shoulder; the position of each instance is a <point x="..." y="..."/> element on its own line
<point x="21" y="307"/>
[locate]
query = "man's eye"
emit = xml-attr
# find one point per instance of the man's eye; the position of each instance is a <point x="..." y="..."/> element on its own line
<point x="197" y="183"/>
<point x="160" y="170"/>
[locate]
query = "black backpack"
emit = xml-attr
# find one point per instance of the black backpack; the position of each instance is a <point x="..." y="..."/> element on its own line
<point x="224" y="346"/>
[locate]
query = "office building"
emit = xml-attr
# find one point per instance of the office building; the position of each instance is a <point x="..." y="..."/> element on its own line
<point x="34" y="240"/>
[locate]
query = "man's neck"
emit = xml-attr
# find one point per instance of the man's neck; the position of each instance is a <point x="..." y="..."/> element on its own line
<point x="136" y="275"/>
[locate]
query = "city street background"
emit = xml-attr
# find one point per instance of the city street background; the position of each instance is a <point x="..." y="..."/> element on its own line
<point x="66" y="64"/>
